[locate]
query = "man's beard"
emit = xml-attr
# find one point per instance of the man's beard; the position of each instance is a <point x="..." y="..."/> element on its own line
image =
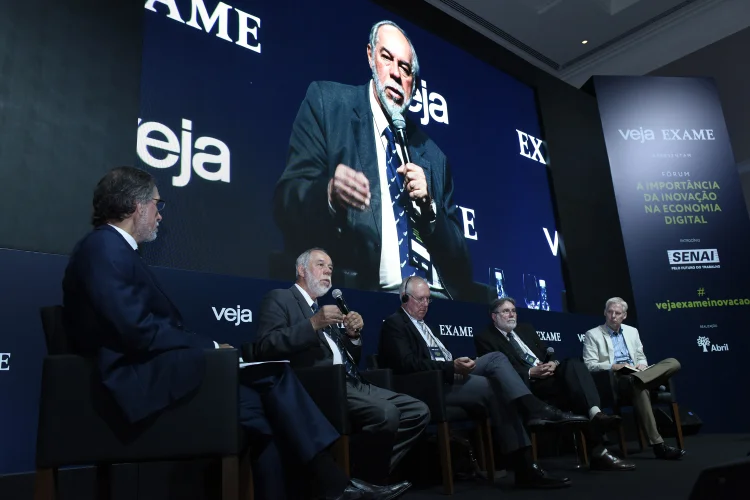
<point x="390" y="106"/>
<point x="316" y="287"/>
<point x="510" y="324"/>
<point x="143" y="235"/>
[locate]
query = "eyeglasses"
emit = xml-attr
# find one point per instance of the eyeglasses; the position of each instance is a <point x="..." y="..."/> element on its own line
<point x="422" y="300"/>
<point x="159" y="204"/>
<point x="505" y="312"/>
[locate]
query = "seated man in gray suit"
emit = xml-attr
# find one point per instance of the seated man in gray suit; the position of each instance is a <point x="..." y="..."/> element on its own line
<point x="293" y="326"/>
<point x="617" y="348"/>
<point x="408" y="345"/>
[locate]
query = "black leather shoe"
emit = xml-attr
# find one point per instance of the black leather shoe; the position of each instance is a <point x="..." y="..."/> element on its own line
<point x="361" y="490"/>
<point x="666" y="452"/>
<point x="551" y="415"/>
<point x="605" y="422"/>
<point x="536" y="477"/>
<point x="609" y="462"/>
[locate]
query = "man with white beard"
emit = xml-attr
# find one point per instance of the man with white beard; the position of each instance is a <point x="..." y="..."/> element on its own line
<point x="385" y="212"/>
<point x="293" y="326"/>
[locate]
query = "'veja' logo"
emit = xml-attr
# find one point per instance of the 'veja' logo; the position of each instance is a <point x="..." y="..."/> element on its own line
<point x="235" y="316"/>
<point x="704" y="342"/>
<point x="430" y="105"/>
<point x="581" y="337"/>
<point x="536" y="144"/>
<point x="247" y="25"/>
<point x="668" y="134"/>
<point x="157" y="136"/>
<point x="456" y="331"/>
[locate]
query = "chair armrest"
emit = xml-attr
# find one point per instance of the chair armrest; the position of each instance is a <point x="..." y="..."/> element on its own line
<point x="79" y="422"/>
<point x="426" y="386"/>
<point x="326" y="385"/>
<point x="382" y="377"/>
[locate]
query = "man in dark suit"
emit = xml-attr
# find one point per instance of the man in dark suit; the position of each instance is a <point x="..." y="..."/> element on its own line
<point x="408" y="345"/>
<point x="116" y="313"/>
<point x="567" y="383"/>
<point x="292" y="325"/>
<point x="349" y="187"/>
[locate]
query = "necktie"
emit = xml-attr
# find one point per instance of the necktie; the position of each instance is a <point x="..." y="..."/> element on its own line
<point x="399" y="199"/>
<point x="349" y="366"/>
<point x="519" y="350"/>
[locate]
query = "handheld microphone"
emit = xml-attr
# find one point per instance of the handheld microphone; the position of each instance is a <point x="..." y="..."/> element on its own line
<point x="340" y="301"/>
<point x="400" y="125"/>
<point x="550" y="353"/>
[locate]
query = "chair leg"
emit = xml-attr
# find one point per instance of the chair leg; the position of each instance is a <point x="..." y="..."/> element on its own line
<point x="490" y="460"/>
<point x="230" y="478"/>
<point x="247" y="487"/>
<point x="584" y="450"/>
<point x="678" y="425"/>
<point x="479" y="445"/>
<point x="623" y="443"/>
<point x="45" y="484"/>
<point x="444" y="447"/>
<point x="533" y="446"/>
<point x="341" y="454"/>
<point x="103" y="482"/>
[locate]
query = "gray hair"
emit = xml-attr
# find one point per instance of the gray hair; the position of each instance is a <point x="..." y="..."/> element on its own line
<point x="414" y="58"/>
<point x="402" y="289"/>
<point x="498" y="302"/>
<point x="304" y="260"/>
<point x="618" y="301"/>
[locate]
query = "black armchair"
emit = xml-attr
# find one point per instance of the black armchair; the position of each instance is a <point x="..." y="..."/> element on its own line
<point x="79" y="423"/>
<point x="428" y="387"/>
<point x="611" y="397"/>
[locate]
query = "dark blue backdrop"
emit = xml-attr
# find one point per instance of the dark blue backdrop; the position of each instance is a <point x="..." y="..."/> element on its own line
<point x="248" y="101"/>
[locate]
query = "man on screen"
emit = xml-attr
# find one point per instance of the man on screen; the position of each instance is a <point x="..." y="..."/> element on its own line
<point x="116" y="313"/>
<point x="567" y="383"/>
<point x="617" y="348"/>
<point x="348" y="184"/>
<point x="292" y="325"/>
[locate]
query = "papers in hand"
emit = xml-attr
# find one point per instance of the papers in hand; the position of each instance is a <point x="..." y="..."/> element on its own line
<point x="243" y="365"/>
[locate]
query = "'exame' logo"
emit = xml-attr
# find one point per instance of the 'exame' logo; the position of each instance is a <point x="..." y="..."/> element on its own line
<point x="703" y="256"/>
<point x="155" y="139"/>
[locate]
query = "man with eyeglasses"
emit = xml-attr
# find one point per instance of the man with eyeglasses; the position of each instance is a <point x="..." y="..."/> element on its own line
<point x="116" y="313"/>
<point x="567" y="383"/>
<point x="408" y="345"/>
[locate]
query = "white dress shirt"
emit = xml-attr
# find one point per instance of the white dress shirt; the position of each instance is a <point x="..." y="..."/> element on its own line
<point x="337" y="360"/>
<point x="524" y="347"/>
<point x="430" y="339"/>
<point x="129" y="238"/>
<point x="390" y="259"/>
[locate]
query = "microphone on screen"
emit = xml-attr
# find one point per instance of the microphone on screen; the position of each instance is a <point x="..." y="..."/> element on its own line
<point x="339" y="297"/>
<point x="399" y="123"/>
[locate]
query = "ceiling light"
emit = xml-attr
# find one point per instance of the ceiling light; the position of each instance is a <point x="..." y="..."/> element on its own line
<point x="584" y="42"/>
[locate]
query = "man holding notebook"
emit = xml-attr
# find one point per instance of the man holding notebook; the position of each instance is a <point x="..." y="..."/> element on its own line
<point x="617" y="348"/>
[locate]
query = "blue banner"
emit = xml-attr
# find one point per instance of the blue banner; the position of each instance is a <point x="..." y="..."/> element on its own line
<point x="686" y="232"/>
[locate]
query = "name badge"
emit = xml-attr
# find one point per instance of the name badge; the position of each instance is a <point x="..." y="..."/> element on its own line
<point x="437" y="354"/>
<point x="529" y="359"/>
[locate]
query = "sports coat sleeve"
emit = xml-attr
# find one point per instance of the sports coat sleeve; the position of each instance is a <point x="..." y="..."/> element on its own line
<point x="283" y="329"/>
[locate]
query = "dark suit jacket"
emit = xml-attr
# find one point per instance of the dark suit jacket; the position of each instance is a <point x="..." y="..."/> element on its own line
<point x="116" y="313"/>
<point x="335" y="125"/>
<point x="285" y="332"/>
<point x="490" y="340"/>
<point x="403" y="349"/>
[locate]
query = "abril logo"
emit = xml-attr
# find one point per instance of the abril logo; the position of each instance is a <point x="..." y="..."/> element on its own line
<point x="235" y="316"/>
<point x="157" y="136"/>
